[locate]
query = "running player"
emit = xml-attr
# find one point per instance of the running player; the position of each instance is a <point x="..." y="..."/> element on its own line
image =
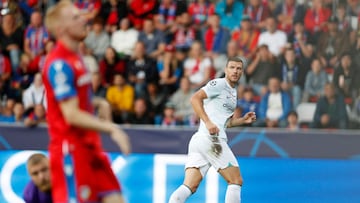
<point x="80" y="171"/>
<point x="215" y="104"/>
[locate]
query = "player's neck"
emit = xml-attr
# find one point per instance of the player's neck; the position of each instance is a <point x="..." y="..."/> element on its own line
<point x="69" y="43"/>
<point x="232" y="84"/>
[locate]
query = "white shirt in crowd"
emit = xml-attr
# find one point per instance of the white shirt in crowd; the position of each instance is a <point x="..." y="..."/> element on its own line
<point x="274" y="110"/>
<point x="34" y="95"/>
<point x="275" y="41"/>
<point x="198" y="76"/>
<point x="123" y="41"/>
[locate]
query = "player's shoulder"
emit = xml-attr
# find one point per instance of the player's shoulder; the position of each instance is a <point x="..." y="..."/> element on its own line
<point x="217" y="82"/>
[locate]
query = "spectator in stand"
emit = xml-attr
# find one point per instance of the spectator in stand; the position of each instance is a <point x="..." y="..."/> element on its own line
<point x="303" y="43"/>
<point x="292" y="76"/>
<point x="89" y="8"/>
<point x="35" y="117"/>
<point x="168" y="118"/>
<point x="141" y="70"/>
<point x="353" y="11"/>
<point x="89" y="60"/>
<point x="166" y="14"/>
<point x="355" y="51"/>
<point x="141" y="114"/>
<point x="181" y="99"/>
<point x="11" y="38"/>
<point x="36" y="36"/>
<point x="13" y="112"/>
<point x="97" y="39"/>
<point x="246" y="38"/>
<point x="38" y="62"/>
<point x="113" y="11"/>
<point x="24" y="76"/>
<point x="261" y="69"/>
<point x="230" y="13"/>
<point x="346" y="77"/>
<point x="354" y="114"/>
<point x="316" y="17"/>
<point x="200" y="10"/>
<point x="110" y="65"/>
<point x="5" y="70"/>
<point x="197" y="67"/>
<point x="156" y="100"/>
<point x="344" y="24"/>
<point x="124" y="39"/>
<point x="274" y="38"/>
<point x="39" y="188"/>
<point x="141" y="10"/>
<point x="170" y="71"/>
<point x="184" y="35"/>
<point x="35" y="94"/>
<point x="293" y="121"/>
<point x="247" y="102"/>
<point x="215" y="37"/>
<point x="121" y="97"/>
<point x="315" y="82"/>
<point x="7" y="105"/>
<point x="274" y="106"/>
<point x="258" y="12"/>
<point x="287" y="12"/>
<point x="330" y="110"/>
<point x="99" y="90"/>
<point x="332" y="44"/>
<point x="153" y="39"/>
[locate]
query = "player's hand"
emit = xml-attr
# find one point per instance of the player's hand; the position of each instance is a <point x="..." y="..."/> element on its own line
<point x="121" y="139"/>
<point x="212" y="128"/>
<point x="249" y="117"/>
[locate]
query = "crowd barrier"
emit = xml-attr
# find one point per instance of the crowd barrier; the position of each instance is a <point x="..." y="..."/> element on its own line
<point x="278" y="166"/>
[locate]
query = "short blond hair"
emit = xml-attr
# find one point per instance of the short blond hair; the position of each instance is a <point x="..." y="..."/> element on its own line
<point x="53" y="16"/>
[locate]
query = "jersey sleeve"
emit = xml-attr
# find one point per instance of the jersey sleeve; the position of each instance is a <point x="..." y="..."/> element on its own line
<point x="213" y="88"/>
<point x="62" y="80"/>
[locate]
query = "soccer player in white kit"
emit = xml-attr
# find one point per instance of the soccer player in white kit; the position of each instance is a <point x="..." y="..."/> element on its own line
<point x="215" y="104"/>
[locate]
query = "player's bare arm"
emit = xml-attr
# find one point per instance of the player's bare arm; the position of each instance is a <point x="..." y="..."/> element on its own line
<point x="197" y="102"/>
<point x="103" y="107"/>
<point x="76" y="117"/>
<point x="248" y="118"/>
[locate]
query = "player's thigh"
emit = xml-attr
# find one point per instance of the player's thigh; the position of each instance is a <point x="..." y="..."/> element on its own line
<point x="232" y="175"/>
<point x="113" y="198"/>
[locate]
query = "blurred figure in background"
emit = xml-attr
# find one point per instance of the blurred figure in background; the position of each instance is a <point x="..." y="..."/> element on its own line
<point x="36" y="36"/>
<point x="330" y="110"/>
<point x="292" y="121"/>
<point x="97" y="39"/>
<point x="261" y="69"/>
<point x="121" y="97"/>
<point x="181" y="101"/>
<point x="274" y="106"/>
<point x="197" y="66"/>
<point x="315" y="82"/>
<point x="141" y="115"/>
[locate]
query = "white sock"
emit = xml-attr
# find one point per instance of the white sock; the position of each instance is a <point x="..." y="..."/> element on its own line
<point x="233" y="194"/>
<point x="180" y="195"/>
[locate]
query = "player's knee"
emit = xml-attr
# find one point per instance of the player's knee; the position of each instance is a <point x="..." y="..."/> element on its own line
<point x="193" y="188"/>
<point x="236" y="181"/>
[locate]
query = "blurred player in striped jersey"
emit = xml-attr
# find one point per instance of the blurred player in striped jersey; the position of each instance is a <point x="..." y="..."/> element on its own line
<point x="215" y="104"/>
<point x="80" y="171"/>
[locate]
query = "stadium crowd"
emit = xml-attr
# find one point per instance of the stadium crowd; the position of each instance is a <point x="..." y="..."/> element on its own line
<point x="147" y="57"/>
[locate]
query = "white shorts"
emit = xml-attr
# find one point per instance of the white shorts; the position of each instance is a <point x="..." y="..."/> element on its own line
<point x="201" y="155"/>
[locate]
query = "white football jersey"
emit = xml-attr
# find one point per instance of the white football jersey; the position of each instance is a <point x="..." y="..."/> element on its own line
<point x="219" y="106"/>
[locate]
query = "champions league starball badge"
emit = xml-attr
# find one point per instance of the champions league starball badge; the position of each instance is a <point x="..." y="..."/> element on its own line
<point x="213" y="83"/>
